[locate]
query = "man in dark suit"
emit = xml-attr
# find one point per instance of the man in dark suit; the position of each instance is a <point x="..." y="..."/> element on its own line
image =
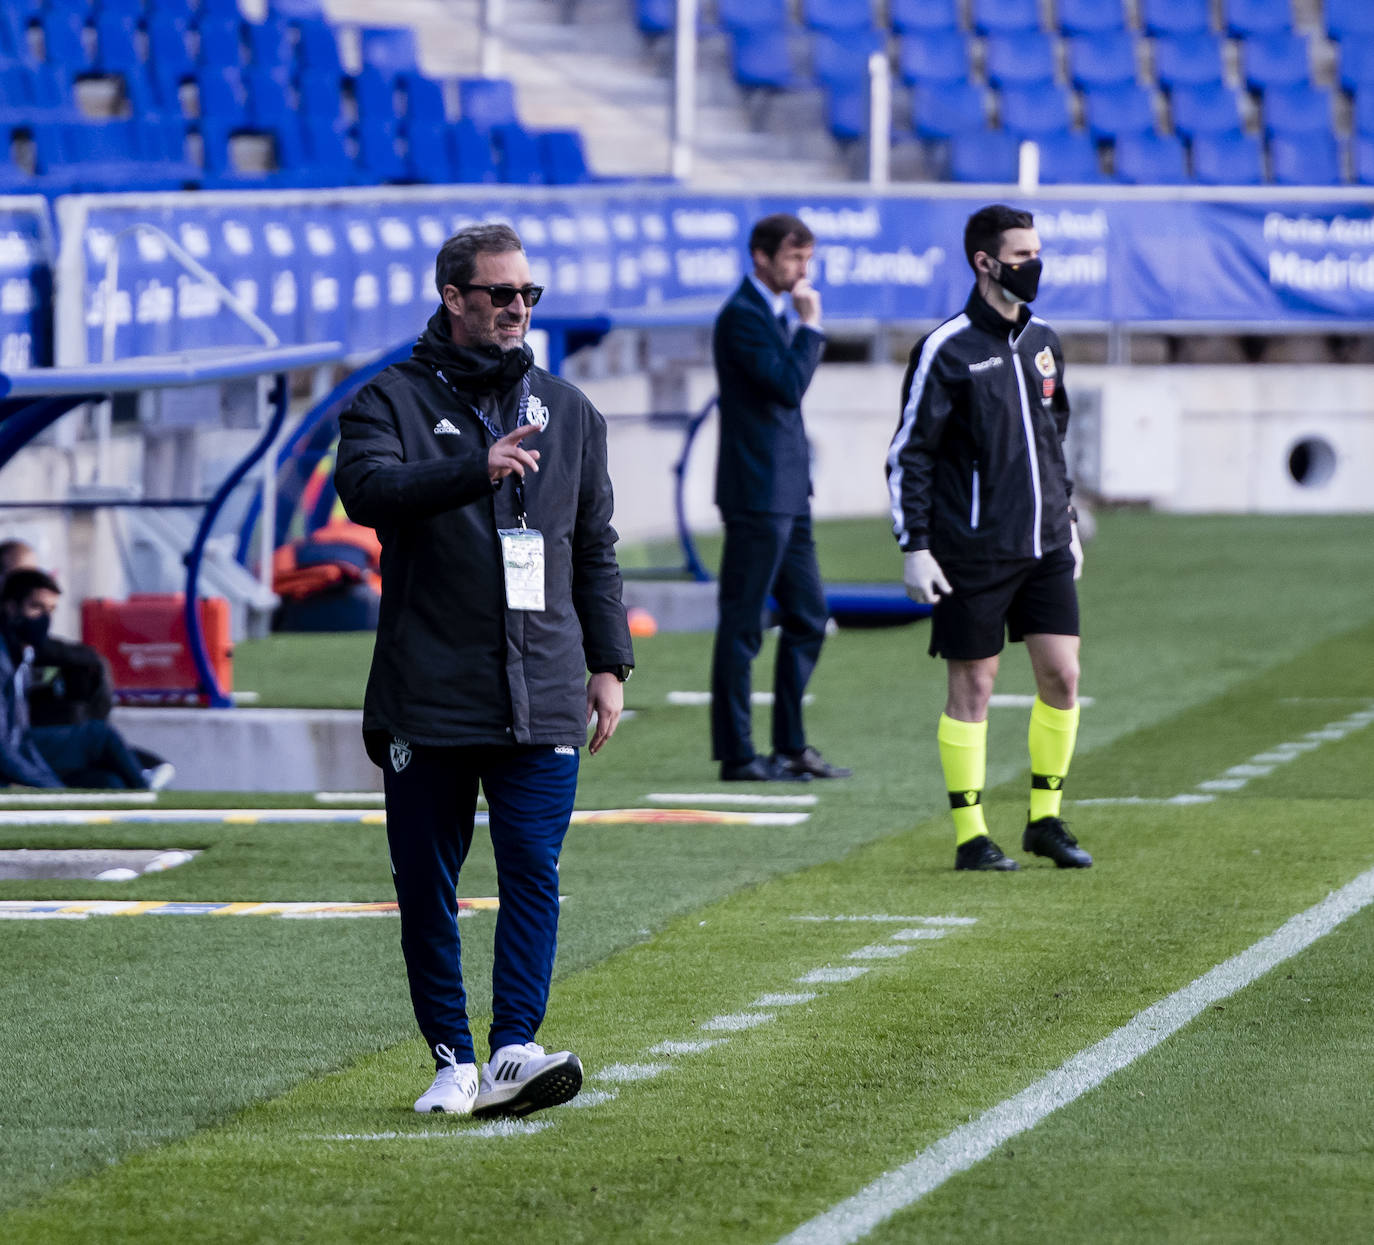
<point x="765" y="358"/>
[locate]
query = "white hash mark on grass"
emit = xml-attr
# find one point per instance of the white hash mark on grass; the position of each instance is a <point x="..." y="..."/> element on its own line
<point x="916" y="935"/>
<point x="496" y="1128"/>
<point x="622" y="1073"/>
<point x="736" y="1022"/>
<point x="731" y="797"/>
<point x="854" y="1218"/>
<point x="824" y="976"/>
<point x="884" y="918"/>
<point x="591" y="1098"/>
<point x="784" y="1000"/>
<point x="686" y="1048"/>
<point x="877" y="951"/>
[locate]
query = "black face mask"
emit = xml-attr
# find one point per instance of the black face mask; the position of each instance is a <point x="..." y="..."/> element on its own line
<point x="29" y="632"/>
<point x="1022" y="280"/>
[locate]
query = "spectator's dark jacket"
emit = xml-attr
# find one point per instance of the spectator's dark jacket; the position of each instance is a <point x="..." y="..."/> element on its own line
<point x="71" y="684"/>
<point x="453" y="666"/>
<point x="20" y="760"/>
<point x="764" y="463"/>
<point x="976" y="471"/>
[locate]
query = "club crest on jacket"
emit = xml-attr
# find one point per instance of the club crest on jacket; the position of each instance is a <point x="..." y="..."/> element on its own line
<point x="536" y="412"/>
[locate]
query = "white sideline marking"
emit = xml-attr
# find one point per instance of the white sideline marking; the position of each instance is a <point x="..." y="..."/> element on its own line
<point x="915" y="935"/>
<point x="624" y="1072"/>
<point x="1190" y="798"/>
<point x="737" y="1022"/>
<point x="1013" y="700"/>
<point x="350" y="797"/>
<point x="877" y="951"/>
<point x="704" y="698"/>
<point x="855" y="1217"/>
<point x="497" y="1128"/>
<point x="823" y="976"/>
<point x="784" y="1000"/>
<point x="897" y="920"/>
<point x="732" y="797"/>
<point x="80" y="797"/>
<point x="686" y="1048"/>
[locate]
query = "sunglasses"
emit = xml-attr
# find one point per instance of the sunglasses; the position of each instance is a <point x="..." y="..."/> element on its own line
<point x="504" y="295"/>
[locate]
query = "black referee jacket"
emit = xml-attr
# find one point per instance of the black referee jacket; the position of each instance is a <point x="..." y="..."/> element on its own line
<point x="976" y="471"/>
<point x="453" y="666"/>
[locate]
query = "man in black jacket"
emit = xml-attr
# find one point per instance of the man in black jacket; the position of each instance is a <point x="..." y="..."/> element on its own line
<point x="980" y="506"/>
<point x="500" y="591"/>
<point x="764" y="363"/>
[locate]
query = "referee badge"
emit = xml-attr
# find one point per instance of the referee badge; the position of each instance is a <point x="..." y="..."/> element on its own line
<point x="400" y="753"/>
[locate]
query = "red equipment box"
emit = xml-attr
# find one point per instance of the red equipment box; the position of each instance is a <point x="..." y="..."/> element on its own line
<point x="144" y="639"/>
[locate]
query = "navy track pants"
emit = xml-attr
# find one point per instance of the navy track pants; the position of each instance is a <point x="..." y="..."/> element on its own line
<point x="430" y="805"/>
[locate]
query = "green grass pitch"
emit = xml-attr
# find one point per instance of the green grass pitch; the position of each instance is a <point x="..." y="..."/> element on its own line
<point x="250" y="1079"/>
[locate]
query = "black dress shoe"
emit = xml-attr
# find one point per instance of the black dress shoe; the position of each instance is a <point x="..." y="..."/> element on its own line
<point x="760" y="769"/>
<point x="809" y="761"/>
<point x="1050" y="837"/>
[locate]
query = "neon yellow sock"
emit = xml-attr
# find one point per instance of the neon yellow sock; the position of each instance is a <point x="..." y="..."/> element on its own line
<point x="1051" y="738"/>
<point x="964" y="759"/>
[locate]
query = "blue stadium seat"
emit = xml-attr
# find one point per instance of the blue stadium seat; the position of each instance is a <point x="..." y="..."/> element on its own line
<point x="270" y="46"/>
<point x="317" y="48"/>
<point x="169" y="60"/>
<point x="655" y="18"/>
<point x="1030" y="111"/>
<point x="487" y="102"/>
<point x="763" y="60"/>
<point x="1175" y="17"/>
<point x="933" y="56"/>
<point x="472" y="157"/>
<point x="1116" y="110"/>
<point x="374" y="95"/>
<point x="1069" y="160"/>
<point x="1243" y="18"/>
<point x="320" y="95"/>
<point x="1188" y="60"/>
<point x="1210" y="109"/>
<point x="1102" y="59"/>
<point x="517" y="156"/>
<point x="269" y="99"/>
<point x="219" y="10"/>
<point x="1151" y="160"/>
<point x="1297" y="110"/>
<point x="1357" y="62"/>
<point x="379" y="154"/>
<point x="563" y="158"/>
<point x="843" y="59"/>
<point x="1345" y="18"/>
<point x="160" y="142"/>
<point x="63" y="44"/>
<point x="1090" y="17"/>
<point x="837" y="16"/>
<point x="1309" y="160"/>
<point x="14" y="39"/>
<point x="1019" y="59"/>
<point x="737" y="15"/>
<point x="846" y="110"/>
<point x="1006" y="17"/>
<point x="1364" y="161"/>
<point x="115" y="49"/>
<point x="222" y="97"/>
<point x="390" y="49"/>
<point x="428" y="158"/>
<point x="1228" y="160"/>
<point x="985" y="156"/>
<point x="220" y="43"/>
<point x="13" y="179"/>
<point x="907" y="16"/>
<point x="425" y="103"/>
<point x="293" y="10"/>
<point x="325" y="154"/>
<point x="1274" y="60"/>
<point x="949" y="109"/>
<point x="128" y="8"/>
<point x="1362" y="115"/>
<point x="35" y="93"/>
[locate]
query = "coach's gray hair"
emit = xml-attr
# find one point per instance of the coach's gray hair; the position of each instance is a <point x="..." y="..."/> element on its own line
<point x="457" y="258"/>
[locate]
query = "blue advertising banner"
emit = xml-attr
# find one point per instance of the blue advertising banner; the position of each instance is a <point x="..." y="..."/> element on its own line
<point x="359" y="269"/>
<point x="25" y="285"/>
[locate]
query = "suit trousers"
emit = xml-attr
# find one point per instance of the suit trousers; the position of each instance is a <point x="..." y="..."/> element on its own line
<point x="765" y="553"/>
<point x="430" y="808"/>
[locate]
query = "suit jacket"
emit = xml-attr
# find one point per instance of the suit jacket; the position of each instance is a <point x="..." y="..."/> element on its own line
<point x="764" y="463"/>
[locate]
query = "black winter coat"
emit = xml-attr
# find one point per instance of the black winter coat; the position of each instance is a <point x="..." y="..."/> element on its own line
<point x="976" y="471"/>
<point x="453" y="666"/>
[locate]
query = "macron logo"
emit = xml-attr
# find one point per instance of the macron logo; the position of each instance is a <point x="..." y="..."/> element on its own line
<point x="445" y="429"/>
<point x="986" y="364"/>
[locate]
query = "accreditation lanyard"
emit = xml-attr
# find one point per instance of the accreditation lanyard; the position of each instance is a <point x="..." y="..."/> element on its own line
<point x="522" y="548"/>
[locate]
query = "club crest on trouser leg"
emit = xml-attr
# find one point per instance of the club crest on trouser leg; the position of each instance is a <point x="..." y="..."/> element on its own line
<point x="400" y="754"/>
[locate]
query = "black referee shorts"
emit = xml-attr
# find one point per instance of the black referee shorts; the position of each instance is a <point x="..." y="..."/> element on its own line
<point x="994" y="599"/>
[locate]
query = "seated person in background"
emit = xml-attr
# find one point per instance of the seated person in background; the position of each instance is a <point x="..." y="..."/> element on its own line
<point x="74" y="754"/>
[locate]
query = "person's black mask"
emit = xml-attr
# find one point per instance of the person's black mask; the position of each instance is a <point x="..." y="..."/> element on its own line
<point x="1021" y="281"/>
<point x="29" y="632"/>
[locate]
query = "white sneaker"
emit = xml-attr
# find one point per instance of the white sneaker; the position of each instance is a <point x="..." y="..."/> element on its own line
<point x="521" y="1079"/>
<point x="159" y="775"/>
<point x="454" y="1089"/>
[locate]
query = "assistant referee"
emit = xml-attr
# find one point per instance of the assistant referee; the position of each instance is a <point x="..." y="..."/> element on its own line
<point x="980" y="505"/>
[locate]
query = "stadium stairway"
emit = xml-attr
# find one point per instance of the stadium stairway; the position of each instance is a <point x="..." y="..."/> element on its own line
<point x="583" y="64"/>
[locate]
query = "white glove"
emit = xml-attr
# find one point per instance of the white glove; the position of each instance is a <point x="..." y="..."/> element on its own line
<point x="1076" y="548"/>
<point x="924" y="579"/>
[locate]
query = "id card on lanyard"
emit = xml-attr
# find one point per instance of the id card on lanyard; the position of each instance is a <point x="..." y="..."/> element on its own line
<point x="522" y="548"/>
